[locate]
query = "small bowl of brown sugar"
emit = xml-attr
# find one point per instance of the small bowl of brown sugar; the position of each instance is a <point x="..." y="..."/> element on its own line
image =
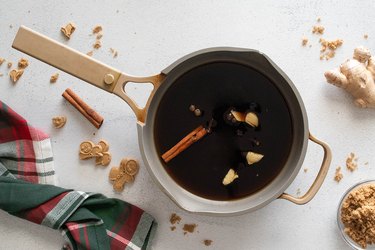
<point x="356" y="215"/>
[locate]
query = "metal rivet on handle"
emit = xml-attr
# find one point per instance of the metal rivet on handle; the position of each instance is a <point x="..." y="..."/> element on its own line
<point x="109" y="78"/>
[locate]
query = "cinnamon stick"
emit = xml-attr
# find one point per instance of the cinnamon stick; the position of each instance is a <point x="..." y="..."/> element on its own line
<point x="83" y="108"/>
<point x="186" y="142"/>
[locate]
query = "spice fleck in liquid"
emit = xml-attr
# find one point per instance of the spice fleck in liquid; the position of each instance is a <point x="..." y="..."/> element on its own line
<point x="213" y="88"/>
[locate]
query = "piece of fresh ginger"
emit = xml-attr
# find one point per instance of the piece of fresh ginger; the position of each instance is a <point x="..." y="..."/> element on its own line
<point x="356" y="76"/>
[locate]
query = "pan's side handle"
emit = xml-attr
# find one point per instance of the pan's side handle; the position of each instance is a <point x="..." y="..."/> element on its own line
<point x="119" y="90"/>
<point x="327" y="158"/>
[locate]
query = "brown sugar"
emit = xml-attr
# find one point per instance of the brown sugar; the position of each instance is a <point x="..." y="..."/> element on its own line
<point x="365" y="36"/>
<point x="174" y="219"/>
<point x="351" y="162"/>
<point x="358" y="215"/>
<point x="207" y="242"/>
<point x="338" y="175"/>
<point x="189" y="228"/>
<point x="328" y="47"/>
<point x="318" y="29"/>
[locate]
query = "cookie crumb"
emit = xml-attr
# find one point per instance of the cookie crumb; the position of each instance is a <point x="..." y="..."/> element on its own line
<point x="99" y="36"/>
<point x="366" y="163"/>
<point x="298" y="192"/>
<point x="97" y="44"/>
<point x="114" y="52"/>
<point x="173" y="228"/>
<point x="365" y="36"/>
<point x="174" y="219"/>
<point x="54" y="78"/>
<point x="68" y="30"/>
<point x="351" y="162"/>
<point x="358" y="215"/>
<point x="90" y="53"/>
<point x="9" y="65"/>
<point x="338" y="175"/>
<point x="97" y="29"/>
<point x="15" y="74"/>
<point x="59" y="121"/>
<point x="207" y="242"/>
<point x="304" y="41"/>
<point x="305" y="170"/>
<point x="23" y="63"/>
<point x="2" y="60"/>
<point x="189" y="228"/>
<point x="318" y="19"/>
<point x="318" y="29"/>
<point x="1" y="74"/>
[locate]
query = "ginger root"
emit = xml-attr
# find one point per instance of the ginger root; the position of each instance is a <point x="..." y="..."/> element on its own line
<point x="356" y="76"/>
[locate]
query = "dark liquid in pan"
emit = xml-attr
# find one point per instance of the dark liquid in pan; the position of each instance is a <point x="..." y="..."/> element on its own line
<point x="214" y="88"/>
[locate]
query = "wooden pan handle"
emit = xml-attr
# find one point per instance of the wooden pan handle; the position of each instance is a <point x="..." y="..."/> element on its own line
<point x="82" y="66"/>
<point x="67" y="59"/>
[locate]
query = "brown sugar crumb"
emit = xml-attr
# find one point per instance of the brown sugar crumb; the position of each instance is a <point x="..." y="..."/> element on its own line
<point x="173" y="228"/>
<point x="97" y="44"/>
<point x="90" y="53"/>
<point x="318" y="29"/>
<point x="97" y="29"/>
<point x="365" y="36"/>
<point x="9" y="65"/>
<point x="174" y="219"/>
<point x="318" y="19"/>
<point x="114" y="52"/>
<point x="328" y="47"/>
<point x="338" y="175"/>
<point x="366" y="163"/>
<point x="54" y="78"/>
<point x="2" y="60"/>
<point x="23" y="63"/>
<point x="351" y="162"/>
<point x="305" y="170"/>
<point x="207" y="242"/>
<point x="304" y="41"/>
<point x="358" y="215"/>
<point x="189" y="228"/>
<point x="15" y="74"/>
<point x="68" y="29"/>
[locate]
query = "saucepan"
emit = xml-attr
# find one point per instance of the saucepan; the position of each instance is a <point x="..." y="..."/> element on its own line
<point x="227" y="63"/>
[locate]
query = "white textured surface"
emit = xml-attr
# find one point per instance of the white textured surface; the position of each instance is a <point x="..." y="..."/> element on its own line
<point x="150" y="35"/>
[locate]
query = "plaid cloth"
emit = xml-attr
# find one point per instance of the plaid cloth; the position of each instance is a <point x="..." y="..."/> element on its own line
<point x="86" y="220"/>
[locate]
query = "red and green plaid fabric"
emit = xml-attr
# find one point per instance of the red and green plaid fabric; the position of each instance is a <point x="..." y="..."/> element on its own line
<point x="86" y="220"/>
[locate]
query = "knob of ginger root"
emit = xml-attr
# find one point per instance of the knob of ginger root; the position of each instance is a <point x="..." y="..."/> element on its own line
<point x="356" y="76"/>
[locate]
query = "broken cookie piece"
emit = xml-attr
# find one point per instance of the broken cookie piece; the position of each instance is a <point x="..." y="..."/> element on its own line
<point x="123" y="174"/>
<point x="54" y="78"/>
<point x="15" y="74"/>
<point x="68" y="29"/>
<point x="304" y="41"/>
<point x="59" y="121"/>
<point x="23" y="63"/>
<point x="230" y="177"/>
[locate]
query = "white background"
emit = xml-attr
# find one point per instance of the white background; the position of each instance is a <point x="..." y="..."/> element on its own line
<point x="149" y="35"/>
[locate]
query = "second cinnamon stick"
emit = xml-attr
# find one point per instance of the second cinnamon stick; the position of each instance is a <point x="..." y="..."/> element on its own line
<point x="83" y="108"/>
